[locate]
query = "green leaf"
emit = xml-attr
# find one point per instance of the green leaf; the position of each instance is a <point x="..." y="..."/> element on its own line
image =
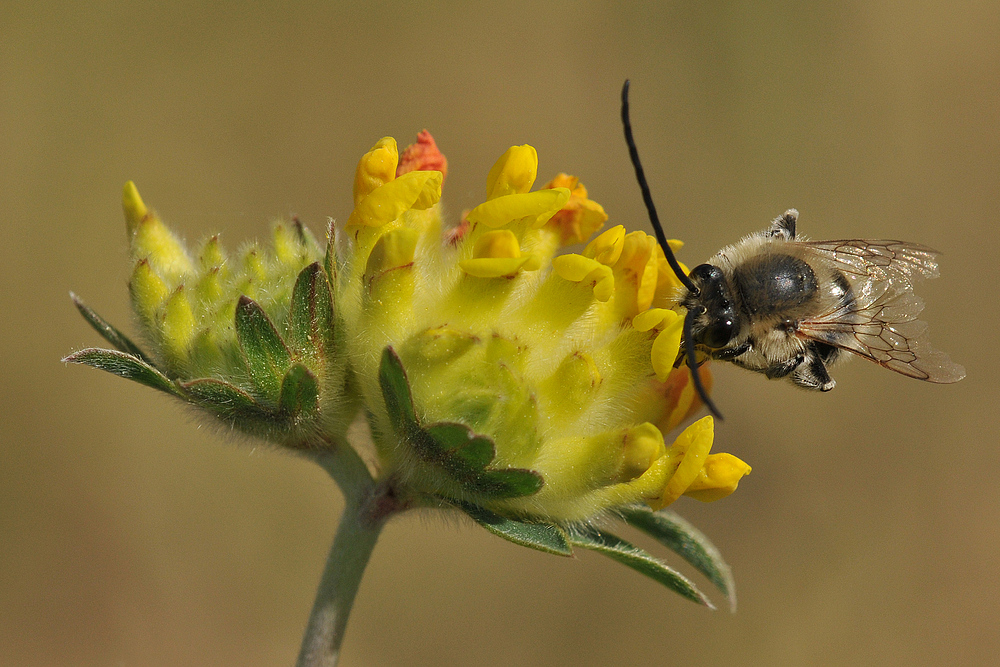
<point x="542" y="536"/>
<point x="109" y="332"/>
<point x="396" y="392"/>
<point x="688" y="542"/>
<point x="124" y="365"/>
<point x="267" y="357"/>
<point x="311" y="319"/>
<point x="299" y="391"/>
<point x="639" y="560"/>
<point x="226" y="400"/>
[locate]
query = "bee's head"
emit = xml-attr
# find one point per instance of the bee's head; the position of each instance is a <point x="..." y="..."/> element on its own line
<point x="716" y="324"/>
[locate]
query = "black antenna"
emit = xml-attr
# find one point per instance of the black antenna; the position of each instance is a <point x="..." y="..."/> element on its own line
<point x="692" y="364"/>
<point x="647" y="197"/>
<point x="654" y="219"/>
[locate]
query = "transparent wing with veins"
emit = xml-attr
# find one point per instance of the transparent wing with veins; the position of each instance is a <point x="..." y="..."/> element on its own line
<point x="880" y="321"/>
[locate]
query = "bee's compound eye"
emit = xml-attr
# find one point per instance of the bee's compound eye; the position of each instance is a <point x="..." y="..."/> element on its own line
<point x="717" y="303"/>
<point x="719" y="332"/>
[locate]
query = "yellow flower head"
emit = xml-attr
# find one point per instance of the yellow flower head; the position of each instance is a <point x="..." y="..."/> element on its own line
<point x="558" y="368"/>
<point x="491" y="371"/>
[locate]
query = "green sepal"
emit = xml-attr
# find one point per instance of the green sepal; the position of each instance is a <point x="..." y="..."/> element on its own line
<point x="330" y="259"/>
<point x="686" y="541"/>
<point x="454" y="447"/>
<point x="109" y="332"/>
<point x="639" y="560"/>
<point x="305" y="238"/>
<point x="267" y="357"/>
<point x="396" y="392"/>
<point x="227" y="401"/>
<point x="460" y="445"/>
<point x="466" y="455"/>
<point x="299" y="392"/>
<point x="541" y="536"/>
<point x="311" y="317"/>
<point x="506" y="483"/>
<point x="125" y="365"/>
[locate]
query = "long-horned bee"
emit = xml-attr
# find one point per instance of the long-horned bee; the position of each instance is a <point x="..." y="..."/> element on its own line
<point x="789" y="308"/>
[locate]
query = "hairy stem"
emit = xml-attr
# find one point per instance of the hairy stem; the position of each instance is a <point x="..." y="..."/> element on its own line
<point x="362" y="521"/>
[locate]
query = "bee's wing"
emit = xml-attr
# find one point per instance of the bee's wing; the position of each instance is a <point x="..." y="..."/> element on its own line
<point x="880" y="321"/>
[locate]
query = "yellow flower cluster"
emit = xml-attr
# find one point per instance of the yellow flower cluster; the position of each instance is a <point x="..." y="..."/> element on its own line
<point x="564" y="362"/>
<point x="492" y="370"/>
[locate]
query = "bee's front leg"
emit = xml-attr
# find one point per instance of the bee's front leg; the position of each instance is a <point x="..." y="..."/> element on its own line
<point x="728" y="354"/>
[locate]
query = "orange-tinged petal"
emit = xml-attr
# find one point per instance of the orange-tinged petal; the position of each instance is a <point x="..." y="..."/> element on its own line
<point x="423" y="155"/>
<point x="580" y="217"/>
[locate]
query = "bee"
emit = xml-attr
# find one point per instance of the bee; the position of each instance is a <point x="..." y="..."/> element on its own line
<point x="790" y="308"/>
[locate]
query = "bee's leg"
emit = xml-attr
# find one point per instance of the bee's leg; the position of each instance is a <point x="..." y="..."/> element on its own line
<point x="731" y="353"/>
<point x="782" y="369"/>
<point x="812" y="373"/>
<point x="828" y="353"/>
<point x="784" y="225"/>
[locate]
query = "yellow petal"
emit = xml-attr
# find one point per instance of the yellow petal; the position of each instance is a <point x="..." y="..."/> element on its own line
<point x="416" y="189"/>
<point x="643" y="445"/>
<point x="393" y="250"/>
<point x="689" y="453"/>
<point x="666" y="346"/>
<point x="718" y="478"/>
<point x="498" y="267"/>
<point x="607" y="247"/>
<point x="375" y="168"/>
<point x="649" y="319"/>
<point x="499" y="211"/>
<point x="513" y="173"/>
<point x="586" y="271"/>
<point x="497" y="243"/>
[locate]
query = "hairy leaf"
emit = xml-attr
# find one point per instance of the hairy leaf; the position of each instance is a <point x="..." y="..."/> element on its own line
<point x="124" y="365"/>
<point x="688" y="542"/>
<point x="639" y="560"/>
<point x="109" y="332"/>
<point x="227" y="401"/>
<point x="542" y="536"/>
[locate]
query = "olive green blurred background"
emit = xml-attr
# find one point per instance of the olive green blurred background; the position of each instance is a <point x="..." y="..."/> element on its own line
<point x="132" y="534"/>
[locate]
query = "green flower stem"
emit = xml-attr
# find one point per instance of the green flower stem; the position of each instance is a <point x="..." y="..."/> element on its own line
<point x="365" y="513"/>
